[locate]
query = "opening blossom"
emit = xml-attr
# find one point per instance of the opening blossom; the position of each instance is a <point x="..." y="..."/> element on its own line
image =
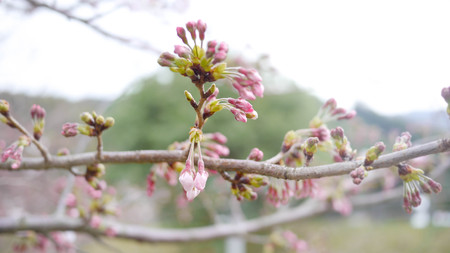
<point x="194" y="182"/>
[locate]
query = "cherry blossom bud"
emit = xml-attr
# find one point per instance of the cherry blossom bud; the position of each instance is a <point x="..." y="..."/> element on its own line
<point x="100" y="120"/>
<point x="445" y="93"/>
<point x="241" y="104"/>
<point x="255" y="155"/>
<point x="95" y="221"/>
<point x="150" y="183"/>
<point x="239" y="115"/>
<point x="187" y="178"/>
<point x="223" y="47"/>
<point x="195" y="135"/>
<point x="373" y="153"/>
<point x="218" y="137"/>
<point x="200" y="179"/>
<point x="109" y="122"/>
<point x="182" y="34"/>
<point x="63" y="152"/>
<point x="331" y="103"/>
<point x="69" y="129"/>
<point x="192" y="27"/>
<point x="182" y="51"/>
<point x="4" y="107"/>
<point x="87" y="118"/>
<point x="252" y="115"/>
<point x="201" y="26"/>
<point x="219" y="57"/>
<point x="402" y="142"/>
<point x="71" y="200"/>
<point x="349" y="115"/>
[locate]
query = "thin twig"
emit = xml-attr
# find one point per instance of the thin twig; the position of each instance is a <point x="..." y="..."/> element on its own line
<point x="135" y="43"/>
<point x="21" y="129"/>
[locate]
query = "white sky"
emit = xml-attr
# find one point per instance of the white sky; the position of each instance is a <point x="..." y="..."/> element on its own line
<point x="392" y="55"/>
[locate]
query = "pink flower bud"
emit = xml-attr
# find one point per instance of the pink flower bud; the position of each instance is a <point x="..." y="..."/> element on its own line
<point x="218" y="137"/>
<point x="219" y="57"/>
<point x="330" y="103"/>
<point x="255" y="154"/>
<point x="241" y="104"/>
<point x="239" y="115"/>
<point x="182" y="34"/>
<point x="182" y="51"/>
<point x="71" y="200"/>
<point x="187" y="179"/>
<point x="95" y="221"/>
<point x="69" y="129"/>
<point x="150" y="183"/>
<point x="200" y="179"/>
<point x="243" y="92"/>
<point x="349" y="115"/>
<point x="192" y="27"/>
<point x="201" y="26"/>
<point x="223" y="47"/>
<point x="445" y="93"/>
<point x="110" y="232"/>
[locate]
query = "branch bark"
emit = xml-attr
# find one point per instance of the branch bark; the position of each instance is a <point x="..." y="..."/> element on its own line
<point x="309" y="208"/>
<point x="245" y="166"/>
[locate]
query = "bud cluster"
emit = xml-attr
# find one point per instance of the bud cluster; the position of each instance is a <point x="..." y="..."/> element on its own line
<point x="343" y="148"/>
<point x="208" y="66"/>
<point x="94" y="125"/>
<point x="93" y="174"/>
<point x="330" y="112"/>
<point x="402" y="142"/>
<point x="31" y="241"/>
<point x="240" y="108"/>
<point x="92" y="204"/>
<point x="38" y="115"/>
<point x="287" y="241"/>
<point x="241" y="184"/>
<point x="415" y="181"/>
<point x="372" y="154"/>
<point x="15" y="151"/>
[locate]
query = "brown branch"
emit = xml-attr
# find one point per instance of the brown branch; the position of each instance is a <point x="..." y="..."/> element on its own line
<point x="24" y="131"/>
<point x="309" y="208"/>
<point x="244" y="166"/>
<point x="135" y="43"/>
<point x="140" y="233"/>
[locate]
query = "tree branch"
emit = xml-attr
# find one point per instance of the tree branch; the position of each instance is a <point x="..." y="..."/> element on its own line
<point x="245" y="166"/>
<point x="135" y="43"/>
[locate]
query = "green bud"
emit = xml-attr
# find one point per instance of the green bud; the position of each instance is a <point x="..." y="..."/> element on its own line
<point x="109" y="122"/>
<point x="3" y="119"/>
<point x="189" y="72"/>
<point x="289" y="140"/>
<point x="215" y="106"/>
<point x="85" y="129"/>
<point x="100" y="120"/>
<point x="181" y="62"/>
<point x="195" y="135"/>
<point x="258" y="181"/>
<point x="189" y="96"/>
<point x="198" y="52"/>
<point x="373" y="153"/>
<point x="4" y="107"/>
<point x="205" y="64"/>
<point x="87" y="118"/>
